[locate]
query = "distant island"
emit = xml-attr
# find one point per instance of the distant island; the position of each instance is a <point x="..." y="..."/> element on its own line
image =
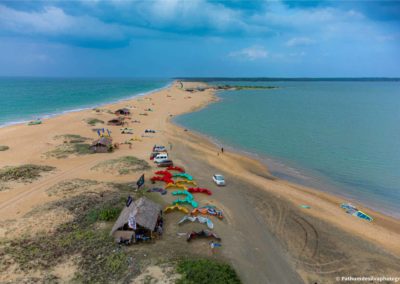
<point x="230" y="88"/>
<point x="237" y="87"/>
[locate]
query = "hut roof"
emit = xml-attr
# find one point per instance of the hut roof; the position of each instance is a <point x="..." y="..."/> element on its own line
<point x="117" y="119"/>
<point x="145" y="211"/>
<point x="123" y="110"/>
<point x="103" y="141"/>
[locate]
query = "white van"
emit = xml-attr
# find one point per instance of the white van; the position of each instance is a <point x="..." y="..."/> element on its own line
<point x="161" y="158"/>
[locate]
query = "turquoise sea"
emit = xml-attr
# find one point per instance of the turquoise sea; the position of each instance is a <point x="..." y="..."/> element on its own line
<point x="25" y="99"/>
<point x="339" y="136"/>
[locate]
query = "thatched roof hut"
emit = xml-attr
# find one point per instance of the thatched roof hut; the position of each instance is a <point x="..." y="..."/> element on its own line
<point x="102" y="145"/>
<point x="145" y="213"/>
<point x="123" y="111"/>
<point x="116" y="121"/>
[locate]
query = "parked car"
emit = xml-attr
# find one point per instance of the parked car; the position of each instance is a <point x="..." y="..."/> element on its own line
<point x="219" y="179"/>
<point x="154" y="154"/>
<point x="166" y="163"/>
<point x="159" y="148"/>
<point x="160" y="157"/>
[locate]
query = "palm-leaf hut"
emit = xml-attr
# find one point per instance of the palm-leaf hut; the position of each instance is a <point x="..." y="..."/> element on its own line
<point x="123" y="111"/>
<point x="102" y="145"/>
<point x="140" y="220"/>
<point x="116" y="121"/>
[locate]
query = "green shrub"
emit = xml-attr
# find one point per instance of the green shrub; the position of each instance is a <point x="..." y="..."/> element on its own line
<point x="81" y="149"/>
<point x="72" y="144"/>
<point x="4" y="148"/>
<point x="94" y="121"/>
<point x="206" y="271"/>
<point x="100" y="259"/>
<point x="72" y="138"/>
<point x="23" y="173"/>
<point x="103" y="214"/>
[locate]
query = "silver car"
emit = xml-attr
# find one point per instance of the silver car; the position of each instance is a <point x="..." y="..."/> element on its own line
<point x="219" y="179"/>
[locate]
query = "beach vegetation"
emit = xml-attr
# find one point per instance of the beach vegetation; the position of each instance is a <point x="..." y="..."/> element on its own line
<point x="72" y="138"/>
<point x="4" y="148"/>
<point x="73" y="144"/>
<point x="85" y="240"/>
<point x="23" y="173"/>
<point x="98" y="110"/>
<point x="123" y="165"/>
<point x="98" y="258"/>
<point x="94" y="121"/>
<point x="103" y="214"/>
<point x="72" y="186"/>
<point x="196" y="271"/>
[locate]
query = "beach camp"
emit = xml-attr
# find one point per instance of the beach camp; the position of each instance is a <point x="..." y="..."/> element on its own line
<point x="140" y="220"/>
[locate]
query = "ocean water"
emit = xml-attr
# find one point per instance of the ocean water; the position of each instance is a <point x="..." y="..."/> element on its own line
<point x="339" y="136"/>
<point x="25" y="99"/>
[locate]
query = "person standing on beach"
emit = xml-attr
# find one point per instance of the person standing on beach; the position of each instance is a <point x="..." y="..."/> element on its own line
<point x="213" y="246"/>
<point x="222" y="150"/>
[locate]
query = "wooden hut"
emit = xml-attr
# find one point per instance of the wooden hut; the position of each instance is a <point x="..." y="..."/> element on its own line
<point x="123" y="111"/>
<point x="116" y="121"/>
<point x="102" y="145"/>
<point x="141" y="220"/>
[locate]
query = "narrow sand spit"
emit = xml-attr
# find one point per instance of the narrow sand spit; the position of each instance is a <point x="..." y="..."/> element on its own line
<point x="266" y="236"/>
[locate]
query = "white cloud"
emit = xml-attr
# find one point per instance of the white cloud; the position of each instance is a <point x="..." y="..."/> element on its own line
<point x="54" y="21"/>
<point x="250" y="53"/>
<point x="121" y="20"/>
<point x="296" y="41"/>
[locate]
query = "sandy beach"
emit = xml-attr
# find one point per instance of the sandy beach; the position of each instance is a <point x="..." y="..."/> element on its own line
<point x="267" y="236"/>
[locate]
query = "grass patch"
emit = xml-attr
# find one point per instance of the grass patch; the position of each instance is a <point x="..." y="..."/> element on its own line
<point x="72" y="186"/>
<point x="206" y="271"/>
<point x="123" y="165"/>
<point x="72" y="138"/>
<point x="4" y="148"/>
<point x="24" y="173"/>
<point x="98" y="258"/>
<point x="85" y="239"/>
<point x="94" y="121"/>
<point x="73" y="144"/>
<point x="101" y="261"/>
<point x="64" y="150"/>
<point x="99" y="110"/>
<point x="103" y="214"/>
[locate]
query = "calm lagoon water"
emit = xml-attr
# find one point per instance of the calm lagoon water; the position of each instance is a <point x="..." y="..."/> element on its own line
<point x="340" y="136"/>
<point x="29" y="98"/>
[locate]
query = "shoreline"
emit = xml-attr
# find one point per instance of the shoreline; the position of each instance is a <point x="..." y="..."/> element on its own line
<point x="248" y="175"/>
<point x="334" y="199"/>
<point x="79" y="109"/>
<point x="289" y="171"/>
<point x="281" y="170"/>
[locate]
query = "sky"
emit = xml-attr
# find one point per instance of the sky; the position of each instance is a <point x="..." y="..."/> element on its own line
<point x="173" y="38"/>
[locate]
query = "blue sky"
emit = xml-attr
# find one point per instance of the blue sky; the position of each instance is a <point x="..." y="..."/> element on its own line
<point x="167" y="38"/>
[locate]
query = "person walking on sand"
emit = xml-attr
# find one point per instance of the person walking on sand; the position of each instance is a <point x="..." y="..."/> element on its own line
<point x="213" y="246"/>
<point x="222" y="150"/>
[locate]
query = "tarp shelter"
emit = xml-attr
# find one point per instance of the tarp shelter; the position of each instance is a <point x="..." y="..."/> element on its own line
<point x="123" y="111"/>
<point x="140" y="220"/>
<point x="102" y="145"/>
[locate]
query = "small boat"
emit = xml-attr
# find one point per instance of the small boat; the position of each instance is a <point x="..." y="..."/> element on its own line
<point x="352" y="210"/>
<point x="35" y="122"/>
